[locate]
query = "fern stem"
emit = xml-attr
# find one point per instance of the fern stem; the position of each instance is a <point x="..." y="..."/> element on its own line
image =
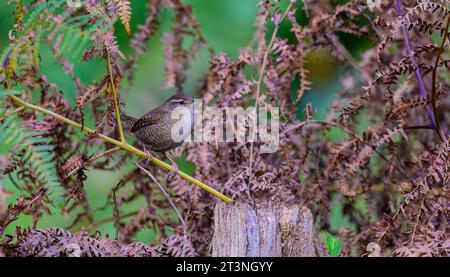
<point x="167" y="196"/>
<point x="116" y="106"/>
<point x="261" y="75"/>
<point x="125" y="146"/>
<point x="430" y="109"/>
<point x="433" y="85"/>
<point x="18" y="110"/>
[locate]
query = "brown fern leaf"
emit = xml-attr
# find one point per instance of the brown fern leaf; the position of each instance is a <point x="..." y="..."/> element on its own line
<point x="124" y="11"/>
<point x="178" y="246"/>
<point x="91" y="93"/>
<point x="74" y="162"/>
<point x="337" y="151"/>
<point x="436" y="9"/>
<point x="403" y="106"/>
<point x="58" y="242"/>
<point x="140" y="38"/>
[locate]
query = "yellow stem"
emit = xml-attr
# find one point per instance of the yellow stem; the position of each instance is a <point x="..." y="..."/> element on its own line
<point x="116" y="106"/>
<point x="122" y="145"/>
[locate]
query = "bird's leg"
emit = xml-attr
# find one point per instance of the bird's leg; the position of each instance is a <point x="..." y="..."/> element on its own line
<point x="149" y="154"/>
<point x="174" y="170"/>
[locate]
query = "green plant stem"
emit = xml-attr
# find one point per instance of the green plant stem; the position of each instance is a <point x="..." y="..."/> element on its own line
<point x="123" y="145"/>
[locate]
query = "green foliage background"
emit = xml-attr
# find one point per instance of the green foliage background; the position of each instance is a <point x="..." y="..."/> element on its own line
<point x="228" y="26"/>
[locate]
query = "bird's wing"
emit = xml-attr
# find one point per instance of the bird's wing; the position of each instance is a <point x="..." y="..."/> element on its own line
<point x="149" y="119"/>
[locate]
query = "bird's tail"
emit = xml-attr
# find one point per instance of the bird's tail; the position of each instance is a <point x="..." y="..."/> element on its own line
<point x="127" y="121"/>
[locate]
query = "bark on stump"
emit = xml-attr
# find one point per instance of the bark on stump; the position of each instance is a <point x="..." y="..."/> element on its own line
<point x="263" y="230"/>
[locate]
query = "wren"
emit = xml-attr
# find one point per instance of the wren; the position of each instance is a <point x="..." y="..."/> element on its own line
<point x="156" y="129"/>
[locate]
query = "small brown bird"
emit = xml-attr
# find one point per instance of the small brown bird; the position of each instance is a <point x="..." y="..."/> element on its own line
<point x="161" y="130"/>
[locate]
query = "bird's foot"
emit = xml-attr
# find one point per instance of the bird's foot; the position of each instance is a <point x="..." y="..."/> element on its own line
<point x="149" y="154"/>
<point x="174" y="170"/>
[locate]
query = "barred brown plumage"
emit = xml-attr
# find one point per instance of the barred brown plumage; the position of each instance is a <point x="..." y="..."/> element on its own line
<point x="154" y="129"/>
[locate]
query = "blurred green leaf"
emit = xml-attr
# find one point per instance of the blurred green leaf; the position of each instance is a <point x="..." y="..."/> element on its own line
<point x="334" y="245"/>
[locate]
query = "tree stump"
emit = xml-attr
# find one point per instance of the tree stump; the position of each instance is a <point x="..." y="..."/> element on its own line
<point x="263" y="230"/>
